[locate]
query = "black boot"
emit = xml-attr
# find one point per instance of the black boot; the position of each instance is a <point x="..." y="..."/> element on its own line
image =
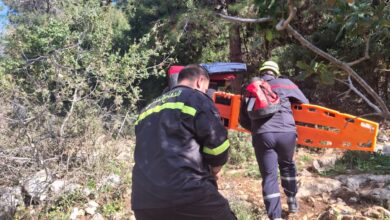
<point x="292" y="204"/>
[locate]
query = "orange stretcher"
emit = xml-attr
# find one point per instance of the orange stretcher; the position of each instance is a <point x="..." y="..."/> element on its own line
<point x="317" y="126"/>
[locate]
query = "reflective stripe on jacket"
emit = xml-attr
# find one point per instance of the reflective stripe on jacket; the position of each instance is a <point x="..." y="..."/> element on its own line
<point x="178" y="136"/>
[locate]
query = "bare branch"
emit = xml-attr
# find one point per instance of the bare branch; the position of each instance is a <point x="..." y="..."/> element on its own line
<point x="69" y="113"/>
<point x="343" y="66"/>
<point x="244" y="20"/>
<point x="361" y="95"/>
<point x="292" y="12"/>
<point x="123" y="123"/>
<point x="366" y="53"/>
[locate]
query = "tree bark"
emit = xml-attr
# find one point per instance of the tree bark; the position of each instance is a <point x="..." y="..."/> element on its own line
<point x="235" y="54"/>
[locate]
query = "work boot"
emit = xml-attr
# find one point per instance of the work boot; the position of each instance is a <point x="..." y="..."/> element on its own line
<point x="292" y="204"/>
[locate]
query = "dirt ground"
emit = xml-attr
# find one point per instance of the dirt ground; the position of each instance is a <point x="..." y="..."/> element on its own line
<point x="234" y="184"/>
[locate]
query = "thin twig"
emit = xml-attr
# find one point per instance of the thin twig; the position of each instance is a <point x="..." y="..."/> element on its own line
<point x="366" y="53"/>
<point x="69" y="113"/>
<point x="123" y="123"/>
<point x="355" y="90"/>
<point x="244" y="20"/>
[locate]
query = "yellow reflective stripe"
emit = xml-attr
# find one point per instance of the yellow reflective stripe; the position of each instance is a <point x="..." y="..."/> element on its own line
<point x="170" y="105"/>
<point x="218" y="150"/>
<point x="188" y="110"/>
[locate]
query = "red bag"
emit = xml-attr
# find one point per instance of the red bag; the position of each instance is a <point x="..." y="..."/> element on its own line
<point x="261" y="101"/>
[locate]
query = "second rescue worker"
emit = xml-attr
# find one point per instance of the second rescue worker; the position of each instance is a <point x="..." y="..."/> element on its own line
<point x="181" y="146"/>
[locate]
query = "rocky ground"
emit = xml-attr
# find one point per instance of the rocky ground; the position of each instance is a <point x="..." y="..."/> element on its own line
<point x="327" y="191"/>
<point x="321" y="196"/>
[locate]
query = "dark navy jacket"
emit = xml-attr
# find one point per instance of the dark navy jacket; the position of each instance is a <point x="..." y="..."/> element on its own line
<point x="178" y="136"/>
<point x="281" y="121"/>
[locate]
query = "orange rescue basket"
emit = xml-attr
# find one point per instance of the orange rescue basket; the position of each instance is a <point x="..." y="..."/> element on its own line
<point x="316" y="126"/>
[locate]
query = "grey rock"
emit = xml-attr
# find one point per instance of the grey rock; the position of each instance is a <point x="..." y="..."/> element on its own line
<point x="92" y="206"/>
<point x="355" y="182"/>
<point x="76" y="212"/>
<point x="312" y="186"/>
<point x="97" y="216"/>
<point x="383" y="137"/>
<point x="305" y="173"/>
<point x="353" y="200"/>
<point x="317" y="166"/>
<point x="87" y="192"/>
<point x="37" y="186"/>
<point x="345" y="193"/>
<point x="377" y="194"/>
<point x="112" y="180"/>
<point x="62" y="186"/>
<point x="57" y="186"/>
<point x="386" y="148"/>
<point x="72" y="187"/>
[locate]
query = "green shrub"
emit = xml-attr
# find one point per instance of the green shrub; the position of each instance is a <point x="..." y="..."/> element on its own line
<point x="241" y="150"/>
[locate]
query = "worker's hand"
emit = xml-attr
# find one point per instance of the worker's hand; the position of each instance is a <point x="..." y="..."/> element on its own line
<point x="215" y="171"/>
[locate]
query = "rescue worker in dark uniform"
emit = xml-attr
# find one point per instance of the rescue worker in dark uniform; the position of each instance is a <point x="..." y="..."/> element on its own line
<point x="181" y="146"/>
<point x="274" y="140"/>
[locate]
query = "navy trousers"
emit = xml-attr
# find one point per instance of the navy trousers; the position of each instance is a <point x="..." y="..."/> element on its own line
<point x="275" y="150"/>
<point x="211" y="207"/>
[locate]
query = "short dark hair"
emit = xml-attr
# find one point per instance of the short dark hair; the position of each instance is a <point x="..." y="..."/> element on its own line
<point x="192" y="72"/>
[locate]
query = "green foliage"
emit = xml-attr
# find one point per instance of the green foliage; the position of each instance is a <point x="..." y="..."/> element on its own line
<point x="91" y="184"/>
<point x="362" y="162"/>
<point x="243" y="211"/>
<point x="65" y="203"/>
<point x="252" y="170"/>
<point x="241" y="150"/>
<point x="71" y="56"/>
<point x="323" y="72"/>
<point x="111" y="208"/>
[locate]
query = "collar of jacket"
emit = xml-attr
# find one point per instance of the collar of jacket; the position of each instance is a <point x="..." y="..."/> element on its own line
<point x="187" y="87"/>
<point x="268" y="77"/>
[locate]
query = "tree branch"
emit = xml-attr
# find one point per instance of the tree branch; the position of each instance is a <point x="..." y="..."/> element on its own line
<point x="244" y="20"/>
<point x="292" y="12"/>
<point x="366" y="54"/>
<point x="69" y="113"/>
<point x="355" y="90"/>
<point x="344" y="66"/>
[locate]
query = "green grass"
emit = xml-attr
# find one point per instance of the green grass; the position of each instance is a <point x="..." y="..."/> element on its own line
<point x="91" y="184"/>
<point x="252" y="170"/>
<point x="361" y="162"/>
<point x="241" y="150"/>
<point x="111" y="208"/>
<point x="243" y="211"/>
<point x="58" y="215"/>
<point x="306" y="159"/>
<point x="62" y="207"/>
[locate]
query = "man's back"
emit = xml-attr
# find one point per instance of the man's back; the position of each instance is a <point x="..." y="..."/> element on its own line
<point x="281" y="121"/>
<point x="177" y="137"/>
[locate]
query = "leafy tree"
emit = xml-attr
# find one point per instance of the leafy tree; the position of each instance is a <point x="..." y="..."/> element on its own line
<point x="64" y="81"/>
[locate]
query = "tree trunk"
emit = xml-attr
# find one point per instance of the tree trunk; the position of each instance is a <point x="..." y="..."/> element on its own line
<point x="235" y="54"/>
